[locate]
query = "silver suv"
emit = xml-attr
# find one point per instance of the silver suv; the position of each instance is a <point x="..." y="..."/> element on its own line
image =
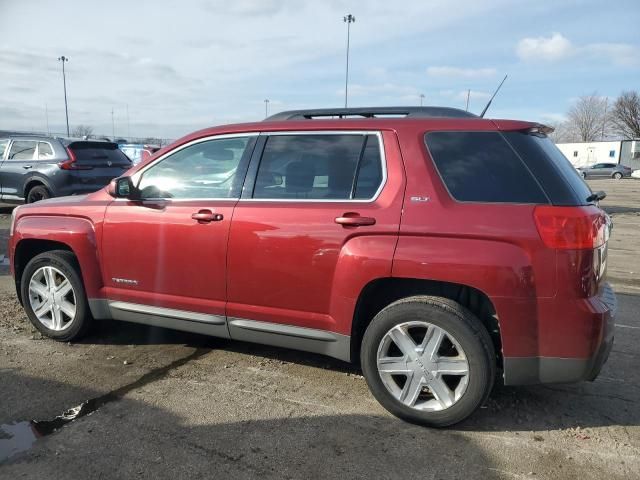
<point x="33" y="168"/>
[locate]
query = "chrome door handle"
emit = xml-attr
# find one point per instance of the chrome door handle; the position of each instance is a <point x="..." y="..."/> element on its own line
<point x="27" y="167"/>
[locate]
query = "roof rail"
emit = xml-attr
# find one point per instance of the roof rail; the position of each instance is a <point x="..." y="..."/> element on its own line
<point x="372" y="112"/>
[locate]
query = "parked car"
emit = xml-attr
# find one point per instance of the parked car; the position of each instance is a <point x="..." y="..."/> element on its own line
<point x="606" y="170"/>
<point x="35" y="168"/>
<point x="434" y="249"/>
<point x="138" y="152"/>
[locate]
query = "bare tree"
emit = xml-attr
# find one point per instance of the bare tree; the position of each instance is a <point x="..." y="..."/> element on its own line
<point x="82" y="131"/>
<point x="563" y="133"/>
<point x="588" y="117"/>
<point x="625" y="115"/>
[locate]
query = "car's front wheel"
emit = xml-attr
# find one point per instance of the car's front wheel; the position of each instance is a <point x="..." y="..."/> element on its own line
<point x="53" y="295"/>
<point x="617" y="175"/>
<point x="428" y="360"/>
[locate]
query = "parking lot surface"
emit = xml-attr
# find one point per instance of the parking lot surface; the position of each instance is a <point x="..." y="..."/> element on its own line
<point x="165" y="404"/>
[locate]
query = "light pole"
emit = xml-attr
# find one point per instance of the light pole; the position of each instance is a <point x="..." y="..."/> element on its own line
<point x="421" y="98"/>
<point x="348" y="19"/>
<point x="113" y="125"/>
<point x="64" y="83"/>
<point x="266" y="107"/>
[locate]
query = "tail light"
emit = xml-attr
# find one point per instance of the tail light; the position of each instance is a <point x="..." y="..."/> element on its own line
<point x="572" y="228"/>
<point x="71" y="163"/>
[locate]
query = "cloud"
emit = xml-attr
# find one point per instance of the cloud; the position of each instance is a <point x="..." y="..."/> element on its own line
<point x="383" y="89"/>
<point x="618" y="53"/>
<point x="445" y="71"/>
<point x="556" y="47"/>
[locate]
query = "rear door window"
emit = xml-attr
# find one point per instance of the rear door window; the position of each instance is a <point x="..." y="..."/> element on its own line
<point x="22" y="150"/>
<point x="482" y="167"/>
<point x="319" y="167"/>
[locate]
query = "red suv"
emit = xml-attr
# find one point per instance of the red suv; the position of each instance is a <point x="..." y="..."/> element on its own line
<point x="434" y="247"/>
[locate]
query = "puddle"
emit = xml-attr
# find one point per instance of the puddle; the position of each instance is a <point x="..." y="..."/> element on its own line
<point x="19" y="437"/>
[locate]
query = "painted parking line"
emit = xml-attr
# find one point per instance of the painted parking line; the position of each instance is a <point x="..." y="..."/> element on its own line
<point x="626" y="326"/>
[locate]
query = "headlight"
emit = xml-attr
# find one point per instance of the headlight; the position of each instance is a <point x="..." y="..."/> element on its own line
<point x="13" y="220"/>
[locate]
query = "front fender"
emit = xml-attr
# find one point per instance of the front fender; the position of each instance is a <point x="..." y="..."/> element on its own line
<point x="76" y="233"/>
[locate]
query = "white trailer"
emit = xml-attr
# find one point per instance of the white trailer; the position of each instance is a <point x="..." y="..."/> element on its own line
<point x="625" y="152"/>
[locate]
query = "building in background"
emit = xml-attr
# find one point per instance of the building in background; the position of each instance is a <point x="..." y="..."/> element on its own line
<point x="625" y="152"/>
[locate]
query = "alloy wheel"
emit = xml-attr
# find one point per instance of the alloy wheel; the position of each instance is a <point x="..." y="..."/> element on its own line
<point x="423" y="366"/>
<point x="52" y="298"/>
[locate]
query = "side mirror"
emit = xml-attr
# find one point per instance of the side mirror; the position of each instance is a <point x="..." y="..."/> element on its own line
<point x="121" y="187"/>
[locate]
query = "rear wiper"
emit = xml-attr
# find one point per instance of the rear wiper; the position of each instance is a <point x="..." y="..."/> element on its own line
<point x="596" y="196"/>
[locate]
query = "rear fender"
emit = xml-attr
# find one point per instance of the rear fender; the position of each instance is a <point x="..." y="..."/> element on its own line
<point x="502" y="271"/>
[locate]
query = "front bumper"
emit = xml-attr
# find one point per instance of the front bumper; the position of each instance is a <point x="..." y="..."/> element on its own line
<point x="533" y="370"/>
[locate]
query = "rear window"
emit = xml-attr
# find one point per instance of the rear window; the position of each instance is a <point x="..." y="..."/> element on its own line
<point x="99" y="154"/>
<point x="482" y="167"/>
<point x="561" y="181"/>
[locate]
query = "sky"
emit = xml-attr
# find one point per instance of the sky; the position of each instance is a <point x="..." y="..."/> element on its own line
<point x="167" y="68"/>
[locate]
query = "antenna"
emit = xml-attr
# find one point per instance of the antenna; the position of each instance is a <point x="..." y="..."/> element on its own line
<point x="492" y="97"/>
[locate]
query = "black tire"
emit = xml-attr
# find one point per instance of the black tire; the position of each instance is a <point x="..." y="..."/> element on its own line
<point x="37" y="193"/>
<point x="584" y="175"/>
<point x="67" y="263"/>
<point x="617" y="176"/>
<point x="458" y="323"/>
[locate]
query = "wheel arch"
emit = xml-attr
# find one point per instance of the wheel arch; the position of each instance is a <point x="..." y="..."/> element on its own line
<point x="33" y="182"/>
<point x="379" y="293"/>
<point x="75" y="235"/>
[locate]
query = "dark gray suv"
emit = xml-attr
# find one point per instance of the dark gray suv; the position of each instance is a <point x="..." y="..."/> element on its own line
<point x="33" y="168"/>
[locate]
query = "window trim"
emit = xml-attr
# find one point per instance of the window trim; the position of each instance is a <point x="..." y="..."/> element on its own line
<point x="483" y="202"/>
<point x="137" y="176"/>
<point x="363" y="133"/>
<point x="35" y="151"/>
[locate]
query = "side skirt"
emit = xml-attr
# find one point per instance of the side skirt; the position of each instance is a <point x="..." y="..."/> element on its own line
<point x="288" y="336"/>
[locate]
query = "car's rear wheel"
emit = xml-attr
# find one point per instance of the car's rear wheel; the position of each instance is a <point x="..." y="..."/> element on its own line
<point x="37" y="193"/>
<point x="428" y="360"/>
<point x="54" y="297"/>
<point x="617" y="175"/>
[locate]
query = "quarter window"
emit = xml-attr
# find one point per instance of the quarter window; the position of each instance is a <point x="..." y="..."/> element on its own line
<point x="44" y="151"/>
<point x="204" y="170"/>
<point x="482" y="167"/>
<point x="22" y="150"/>
<point x="319" y="167"/>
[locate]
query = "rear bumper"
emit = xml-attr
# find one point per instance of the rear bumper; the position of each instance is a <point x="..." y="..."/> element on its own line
<point x="532" y="370"/>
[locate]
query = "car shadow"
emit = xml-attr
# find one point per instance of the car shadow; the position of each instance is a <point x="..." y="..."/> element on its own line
<point x="610" y="400"/>
<point x="131" y="438"/>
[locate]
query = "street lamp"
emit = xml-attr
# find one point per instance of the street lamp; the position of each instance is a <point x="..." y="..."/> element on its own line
<point x="64" y="83"/>
<point x="421" y="98"/>
<point x="348" y="19"/>
<point x="266" y="107"/>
